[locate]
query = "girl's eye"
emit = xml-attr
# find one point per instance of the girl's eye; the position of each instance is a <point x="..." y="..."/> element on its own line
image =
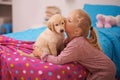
<point x="56" y="24"/>
<point x="69" y="21"/>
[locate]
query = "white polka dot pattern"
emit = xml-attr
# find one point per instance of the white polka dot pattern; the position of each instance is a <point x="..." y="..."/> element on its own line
<point x="20" y="67"/>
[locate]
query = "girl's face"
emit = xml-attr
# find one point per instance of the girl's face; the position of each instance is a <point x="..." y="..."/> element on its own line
<point x="71" y="23"/>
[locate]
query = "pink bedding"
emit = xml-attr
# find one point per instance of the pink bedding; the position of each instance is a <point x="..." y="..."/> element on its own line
<point x="17" y="67"/>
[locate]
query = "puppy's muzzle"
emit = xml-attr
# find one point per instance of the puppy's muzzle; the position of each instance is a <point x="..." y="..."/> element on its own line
<point x="61" y="30"/>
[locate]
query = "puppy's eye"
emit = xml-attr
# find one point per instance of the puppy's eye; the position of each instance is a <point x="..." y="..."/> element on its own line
<point x="56" y="24"/>
<point x="62" y="23"/>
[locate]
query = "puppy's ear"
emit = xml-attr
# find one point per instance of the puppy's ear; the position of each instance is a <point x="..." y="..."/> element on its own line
<point x="65" y="20"/>
<point x="50" y="26"/>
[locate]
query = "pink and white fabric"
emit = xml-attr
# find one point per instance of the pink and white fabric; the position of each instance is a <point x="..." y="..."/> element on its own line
<point x="18" y="67"/>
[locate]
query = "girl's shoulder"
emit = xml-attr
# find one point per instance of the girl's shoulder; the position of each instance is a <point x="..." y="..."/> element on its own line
<point x="77" y="41"/>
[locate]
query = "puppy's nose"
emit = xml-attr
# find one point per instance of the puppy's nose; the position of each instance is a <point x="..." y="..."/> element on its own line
<point x="61" y="30"/>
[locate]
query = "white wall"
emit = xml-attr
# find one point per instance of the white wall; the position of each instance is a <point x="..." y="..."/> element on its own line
<point x="27" y="13"/>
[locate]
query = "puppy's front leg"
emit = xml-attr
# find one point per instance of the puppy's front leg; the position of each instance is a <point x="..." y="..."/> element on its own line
<point x="25" y="54"/>
<point x="53" y="49"/>
<point x="60" y="48"/>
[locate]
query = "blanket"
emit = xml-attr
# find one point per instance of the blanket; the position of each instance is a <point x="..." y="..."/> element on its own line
<point x="109" y="39"/>
<point x="18" y="67"/>
<point x="27" y="35"/>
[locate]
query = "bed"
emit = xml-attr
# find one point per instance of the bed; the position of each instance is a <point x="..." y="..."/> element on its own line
<point x="17" y="67"/>
<point x="109" y="38"/>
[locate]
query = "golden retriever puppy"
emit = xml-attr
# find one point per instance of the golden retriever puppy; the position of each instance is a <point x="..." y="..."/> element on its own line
<point x="51" y="40"/>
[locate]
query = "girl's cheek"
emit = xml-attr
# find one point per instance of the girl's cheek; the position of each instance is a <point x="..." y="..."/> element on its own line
<point x="67" y="28"/>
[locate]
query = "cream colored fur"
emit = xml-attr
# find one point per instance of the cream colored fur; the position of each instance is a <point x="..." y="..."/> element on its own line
<point x="51" y="39"/>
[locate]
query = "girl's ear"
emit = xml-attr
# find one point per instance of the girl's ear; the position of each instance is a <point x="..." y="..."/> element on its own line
<point x="80" y="20"/>
<point x="78" y="32"/>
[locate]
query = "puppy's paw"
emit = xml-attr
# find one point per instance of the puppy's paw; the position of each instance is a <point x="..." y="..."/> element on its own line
<point x="19" y="51"/>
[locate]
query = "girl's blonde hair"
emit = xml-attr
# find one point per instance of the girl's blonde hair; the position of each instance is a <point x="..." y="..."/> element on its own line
<point x="85" y="25"/>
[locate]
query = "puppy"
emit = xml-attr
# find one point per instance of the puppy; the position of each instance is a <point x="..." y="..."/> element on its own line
<point x="51" y="40"/>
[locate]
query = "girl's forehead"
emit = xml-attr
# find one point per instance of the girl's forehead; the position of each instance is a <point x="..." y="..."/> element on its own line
<point x="71" y="16"/>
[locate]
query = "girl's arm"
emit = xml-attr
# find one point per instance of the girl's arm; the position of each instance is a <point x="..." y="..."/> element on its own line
<point x="69" y="54"/>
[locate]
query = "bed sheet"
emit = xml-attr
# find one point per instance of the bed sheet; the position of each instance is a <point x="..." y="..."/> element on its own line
<point x="18" y="67"/>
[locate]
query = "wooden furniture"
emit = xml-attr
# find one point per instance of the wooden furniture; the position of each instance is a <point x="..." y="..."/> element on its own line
<point x="5" y="16"/>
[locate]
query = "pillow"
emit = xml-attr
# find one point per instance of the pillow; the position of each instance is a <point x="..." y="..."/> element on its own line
<point x="93" y="10"/>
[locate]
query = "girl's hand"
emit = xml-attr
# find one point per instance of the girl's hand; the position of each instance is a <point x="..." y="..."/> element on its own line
<point x="66" y="41"/>
<point x="44" y="56"/>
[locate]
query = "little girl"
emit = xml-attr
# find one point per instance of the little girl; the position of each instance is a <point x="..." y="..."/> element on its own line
<point x="82" y="47"/>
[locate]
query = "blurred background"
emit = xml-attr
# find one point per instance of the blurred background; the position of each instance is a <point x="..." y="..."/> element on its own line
<point x="19" y="15"/>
